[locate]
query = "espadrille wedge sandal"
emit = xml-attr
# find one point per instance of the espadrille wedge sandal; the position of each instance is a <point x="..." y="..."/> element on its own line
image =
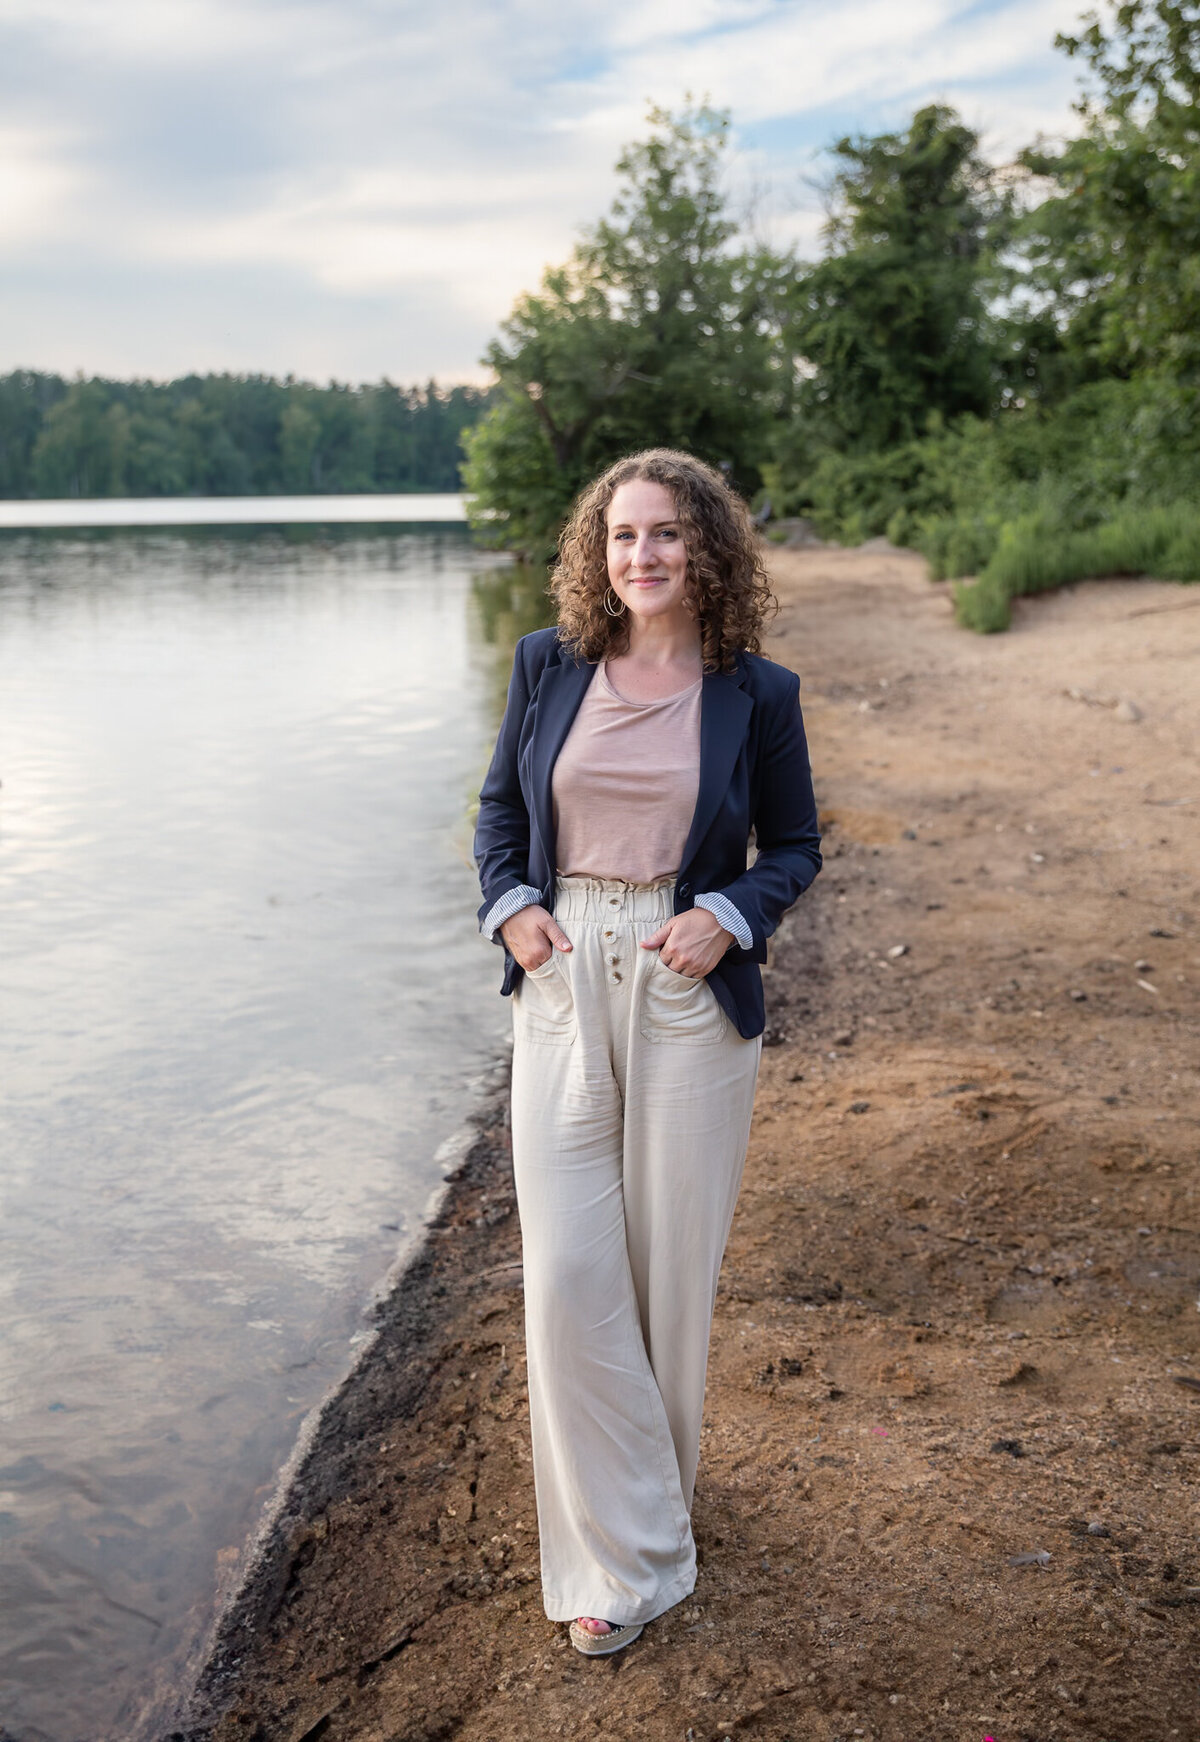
<point x="603" y="1644"/>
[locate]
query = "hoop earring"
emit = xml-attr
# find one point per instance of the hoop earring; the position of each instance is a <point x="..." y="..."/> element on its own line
<point x="609" y="608"/>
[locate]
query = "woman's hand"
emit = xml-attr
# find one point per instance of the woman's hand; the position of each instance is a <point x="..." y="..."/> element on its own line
<point x="532" y="936"/>
<point x="691" y="943"/>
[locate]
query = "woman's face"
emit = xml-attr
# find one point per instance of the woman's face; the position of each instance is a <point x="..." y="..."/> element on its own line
<point x="647" y="556"/>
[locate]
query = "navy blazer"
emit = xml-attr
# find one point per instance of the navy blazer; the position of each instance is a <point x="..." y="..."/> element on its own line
<point x="754" y="775"/>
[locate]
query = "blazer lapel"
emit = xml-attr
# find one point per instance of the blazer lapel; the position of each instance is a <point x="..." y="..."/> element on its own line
<point x="560" y="690"/>
<point x="725" y="711"/>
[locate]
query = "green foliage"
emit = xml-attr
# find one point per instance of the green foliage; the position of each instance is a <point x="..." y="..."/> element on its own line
<point x="1112" y="446"/>
<point x="893" y="326"/>
<point x="1034" y="554"/>
<point x="1115" y="249"/>
<point x="517" y="499"/>
<point x="1062" y="435"/>
<point x="82" y="448"/>
<point x="228" y="435"/>
<point x="983" y="607"/>
<point x="656" y="331"/>
<point x="1110" y="245"/>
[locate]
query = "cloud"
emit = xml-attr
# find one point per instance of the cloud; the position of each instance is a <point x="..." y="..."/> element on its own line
<point x="40" y="183"/>
<point x="356" y="155"/>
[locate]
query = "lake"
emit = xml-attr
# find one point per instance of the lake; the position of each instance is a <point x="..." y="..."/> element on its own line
<point x="232" y="511"/>
<point x="244" y="1000"/>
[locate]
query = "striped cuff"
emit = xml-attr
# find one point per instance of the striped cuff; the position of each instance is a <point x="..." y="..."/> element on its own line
<point x="724" y="910"/>
<point x="524" y="895"/>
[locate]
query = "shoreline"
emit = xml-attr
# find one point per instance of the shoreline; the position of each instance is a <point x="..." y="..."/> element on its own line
<point x="406" y="1317"/>
<point x="950" y="1450"/>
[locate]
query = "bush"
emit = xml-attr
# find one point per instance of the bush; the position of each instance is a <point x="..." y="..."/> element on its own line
<point x="1033" y="554"/>
<point x="956" y="544"/>
<point x="1032" y="558"/>
<point x="1100" y="484"/>
<point x="982" y="606"/>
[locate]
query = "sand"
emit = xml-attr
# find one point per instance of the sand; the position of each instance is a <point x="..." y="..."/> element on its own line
<point x="952" y="1434"/>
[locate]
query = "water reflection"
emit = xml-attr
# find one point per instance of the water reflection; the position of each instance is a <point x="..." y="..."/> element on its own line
<point x="243" y="995"/>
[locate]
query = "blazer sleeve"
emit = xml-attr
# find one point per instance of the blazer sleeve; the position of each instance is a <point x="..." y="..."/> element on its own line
<point x="785" y="826"/>
<point x="502" y="827"/>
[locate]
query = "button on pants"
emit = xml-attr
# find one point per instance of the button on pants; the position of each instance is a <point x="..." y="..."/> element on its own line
<point x="631" y="1105"/>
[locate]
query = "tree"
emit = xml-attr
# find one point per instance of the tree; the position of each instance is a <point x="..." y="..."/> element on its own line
<point x="299" y="434"/>
<point x="892" y="328"/>
<point x="657" y="331"/>
<point x="228" y="435"/>
<point x="1115" y="251"/>
<point x="25" y="399"/>
<point x="83" y="446"/>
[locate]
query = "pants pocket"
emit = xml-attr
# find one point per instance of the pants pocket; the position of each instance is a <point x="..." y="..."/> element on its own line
<point x="677" y="1010"/>
<point x="544" y="1007"/>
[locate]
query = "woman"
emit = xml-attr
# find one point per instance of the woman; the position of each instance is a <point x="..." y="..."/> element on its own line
<point x="643" y="740"/>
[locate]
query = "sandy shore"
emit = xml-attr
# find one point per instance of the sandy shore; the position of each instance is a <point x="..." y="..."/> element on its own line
<point x="952" y="1435"/>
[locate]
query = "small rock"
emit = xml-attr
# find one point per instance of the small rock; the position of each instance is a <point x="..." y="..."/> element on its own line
<point x="860" y="1106"/>
<point x="898" y="950"/>
<point x="1036" y="1557"/>
<point x="1127" y="711"/>
<point x="1038" y="858"/>
<point x="1017" y="1374"/>
<point x="1095" y="1528"/>
<point x="1143" y="967"/>
<point x="844" y="1040"/>
<point x="1160" y="931"/>
<point x="1013" y="1447"/>
<point x="1079" y="997"/>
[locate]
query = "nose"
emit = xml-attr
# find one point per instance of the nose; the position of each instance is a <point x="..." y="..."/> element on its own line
<point x="644" y="553"/>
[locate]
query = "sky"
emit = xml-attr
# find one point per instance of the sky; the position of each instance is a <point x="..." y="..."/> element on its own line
<point x="348" y="189"/>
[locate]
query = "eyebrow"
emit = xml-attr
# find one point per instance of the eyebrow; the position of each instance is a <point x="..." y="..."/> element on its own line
<point x="628" y="526"/>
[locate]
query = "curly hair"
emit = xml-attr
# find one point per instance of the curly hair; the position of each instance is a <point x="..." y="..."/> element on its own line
<point x="727" y="585"/>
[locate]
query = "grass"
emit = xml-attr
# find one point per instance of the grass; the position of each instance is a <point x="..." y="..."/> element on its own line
<point x="1033" y="557"/>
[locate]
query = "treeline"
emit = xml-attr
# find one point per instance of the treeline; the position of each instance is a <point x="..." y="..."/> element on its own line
<point x="996" y="364"/>
<point x="228" y="435"/>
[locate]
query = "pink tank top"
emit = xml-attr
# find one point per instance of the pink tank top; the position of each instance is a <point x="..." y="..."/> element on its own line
<point x="625" y="784"/>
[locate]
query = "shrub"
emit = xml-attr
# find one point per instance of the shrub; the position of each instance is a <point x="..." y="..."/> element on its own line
<point x="982" y="606"/>
<point x="1033" y="554"/>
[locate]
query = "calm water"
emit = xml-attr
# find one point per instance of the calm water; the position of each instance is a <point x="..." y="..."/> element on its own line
<point x="242" y="997"/>
<point x="233" y="510"/>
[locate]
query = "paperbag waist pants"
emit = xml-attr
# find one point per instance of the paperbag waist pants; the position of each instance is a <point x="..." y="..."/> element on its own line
<point x="631" y="1106"/>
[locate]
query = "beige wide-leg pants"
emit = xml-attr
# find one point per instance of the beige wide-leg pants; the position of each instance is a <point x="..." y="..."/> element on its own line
<point x="631" y="1104"/>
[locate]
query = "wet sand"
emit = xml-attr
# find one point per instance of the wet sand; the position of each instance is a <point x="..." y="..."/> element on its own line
<point x="949" y="1468"/>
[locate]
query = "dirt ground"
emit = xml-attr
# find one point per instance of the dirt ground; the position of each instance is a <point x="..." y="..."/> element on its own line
<point x="952" y="1435"/>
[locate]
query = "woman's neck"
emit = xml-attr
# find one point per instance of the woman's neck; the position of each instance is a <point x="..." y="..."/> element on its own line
<point x="664" y="642"/>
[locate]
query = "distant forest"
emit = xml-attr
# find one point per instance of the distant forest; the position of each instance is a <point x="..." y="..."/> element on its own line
<point x="228" y="435"/>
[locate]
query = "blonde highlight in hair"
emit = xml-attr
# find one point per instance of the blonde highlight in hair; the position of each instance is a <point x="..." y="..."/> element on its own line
<point x="727" y="584"/>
